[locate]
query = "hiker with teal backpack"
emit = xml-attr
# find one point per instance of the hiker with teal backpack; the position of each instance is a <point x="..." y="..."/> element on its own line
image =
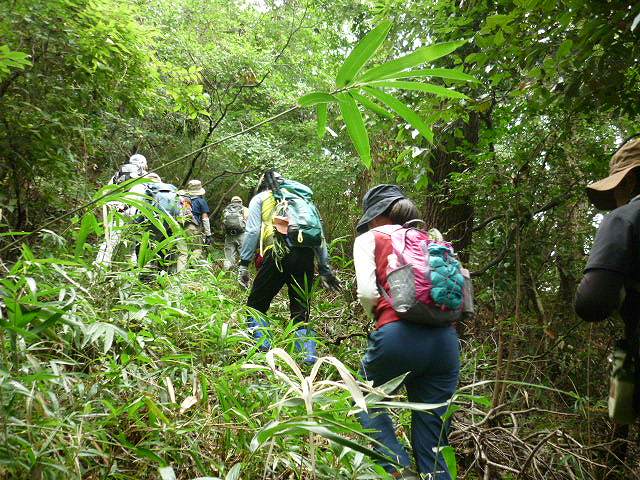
<point x="284" y="228"/>
<point x="611" y="283"/>
<point x="413" y="286"/>
<point x="164" y="199"/>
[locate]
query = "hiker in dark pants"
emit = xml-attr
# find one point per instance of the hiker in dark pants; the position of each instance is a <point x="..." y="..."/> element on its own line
<point x="611" y="282"/>
<point x="293" y="267"/>
<point x="429" y="355"/>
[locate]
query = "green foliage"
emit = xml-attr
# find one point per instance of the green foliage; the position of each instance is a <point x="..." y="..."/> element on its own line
<point x="136" y="372"/>
<point x="11" y="60"/>
<point x="352" y="84"/>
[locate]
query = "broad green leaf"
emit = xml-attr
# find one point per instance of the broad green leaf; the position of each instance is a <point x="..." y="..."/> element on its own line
<point x="423" y="87"/>
<point x="314" y="98"/>
<point x="155" y="410"/>
<point x="480" y="399"/>
<point x="143" y="249"/>
<point x="564" y="49"/>
<point x="361" y="54"/>
<point x="447" y="73"/>
<point x="355" y="126"/>
<point x="88" y="225"/>
<point x="322" y="119"/>
<point x="420" y="56"/>
<point x="146" y="453"/>
<point x="497" y="21"/>
<point x="402" y="110"/>
<point x="371" y="105"/>
<point x="449" y="455"/>
<point x="451" y="410"/>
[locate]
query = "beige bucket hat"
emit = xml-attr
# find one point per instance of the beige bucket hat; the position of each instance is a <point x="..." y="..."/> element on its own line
<point x="194" y="188"/>
<point x="623" y="162"/>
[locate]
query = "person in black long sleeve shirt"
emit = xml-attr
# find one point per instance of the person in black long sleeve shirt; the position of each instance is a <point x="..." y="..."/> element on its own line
<point x="611" y="280"/>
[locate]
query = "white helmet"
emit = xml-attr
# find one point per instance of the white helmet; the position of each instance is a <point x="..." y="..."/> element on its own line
<point x="139" y="161"/>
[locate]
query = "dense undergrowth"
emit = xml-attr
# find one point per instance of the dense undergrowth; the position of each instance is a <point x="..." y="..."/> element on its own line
<point x="136" y="373"/>
<point x="115" y="375"/>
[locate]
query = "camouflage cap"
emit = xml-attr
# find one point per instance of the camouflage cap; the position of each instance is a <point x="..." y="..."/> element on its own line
<point x="623" y="162"/>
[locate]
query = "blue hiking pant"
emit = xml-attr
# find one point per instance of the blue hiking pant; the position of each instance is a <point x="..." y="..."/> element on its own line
<point x="432" y="356"/>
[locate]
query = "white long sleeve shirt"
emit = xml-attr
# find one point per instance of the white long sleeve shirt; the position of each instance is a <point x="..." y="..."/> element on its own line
<point x="364" y="262"/>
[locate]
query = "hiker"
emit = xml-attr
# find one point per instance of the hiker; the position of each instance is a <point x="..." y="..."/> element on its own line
<point x="611" y="281"/>
<point x="430" y="355"/>
<point x="165" y="201"/>
<point x="134" y="168"/>
<point x="195" y="213"/>
<point x="284" y="260"/>
<point x="234" y="220"/>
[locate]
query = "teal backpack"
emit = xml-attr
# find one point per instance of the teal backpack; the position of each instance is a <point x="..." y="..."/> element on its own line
<point x="165" y="197"/>
<point x="295" y="203"/>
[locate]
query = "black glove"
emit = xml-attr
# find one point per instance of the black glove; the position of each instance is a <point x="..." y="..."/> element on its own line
<point x="331" y="282"/>
<point x="208" y="240"/>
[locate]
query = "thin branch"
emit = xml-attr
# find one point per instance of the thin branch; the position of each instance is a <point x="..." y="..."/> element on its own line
<point x="214" y="125"/>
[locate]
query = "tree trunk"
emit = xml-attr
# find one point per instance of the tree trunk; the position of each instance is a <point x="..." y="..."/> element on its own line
<point x="455" y="221"/>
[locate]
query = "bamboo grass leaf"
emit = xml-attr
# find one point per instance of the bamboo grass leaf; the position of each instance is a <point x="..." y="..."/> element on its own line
<point x="322" y="120"/>
<point x="361" y="54"/>
<point x="234" y="473"/>
<point x="423" y="87"/>
<point x="446" y="73"/>
<point x="303" y="427"/>
<point x="420" y="56"/>
<point x="356" y="128"/>
<point x="371" y="105"/>
<point x="88" y="225"/>
<point x="315" y="98"/>
<point x="280" y="353"/>
<point x="405" y="112"/>
<point x="349" y="382"/>
<point x="449" y="455"/>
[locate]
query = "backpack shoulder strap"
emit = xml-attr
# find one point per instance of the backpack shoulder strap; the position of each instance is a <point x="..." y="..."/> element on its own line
<point x="381" y="235"/>
<point x="399" y="242"/>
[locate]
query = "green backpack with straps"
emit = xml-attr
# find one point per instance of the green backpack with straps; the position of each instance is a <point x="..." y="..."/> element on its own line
<point x="295" y="203"/>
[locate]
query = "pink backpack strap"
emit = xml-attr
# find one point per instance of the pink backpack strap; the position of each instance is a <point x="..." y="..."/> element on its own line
<point x="399" y="242"/>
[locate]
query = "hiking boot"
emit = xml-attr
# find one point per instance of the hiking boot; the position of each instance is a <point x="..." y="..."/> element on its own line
<point x="306" y="344"/>
<point x="257" y="327"/>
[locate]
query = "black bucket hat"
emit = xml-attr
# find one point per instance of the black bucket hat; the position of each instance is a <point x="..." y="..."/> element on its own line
<point x="376" y="201"/>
